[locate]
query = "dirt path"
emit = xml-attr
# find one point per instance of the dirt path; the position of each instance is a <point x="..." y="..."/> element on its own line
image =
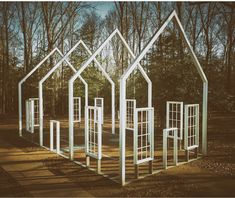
<point x="28" y="170"/>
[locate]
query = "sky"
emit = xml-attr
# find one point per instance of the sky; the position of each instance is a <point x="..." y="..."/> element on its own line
<point x="102" y="8"/>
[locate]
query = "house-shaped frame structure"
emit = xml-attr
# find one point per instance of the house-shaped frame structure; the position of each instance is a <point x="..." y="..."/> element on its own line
<point x="149" y="111"/>
<point x="172" y="16"/>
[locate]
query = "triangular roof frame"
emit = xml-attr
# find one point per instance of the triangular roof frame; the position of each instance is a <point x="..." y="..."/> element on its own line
<point x="101" y="47"/>
<point x="173" y="15"/>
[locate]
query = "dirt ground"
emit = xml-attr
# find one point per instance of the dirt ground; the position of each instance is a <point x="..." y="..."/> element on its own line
<point x="29" y="170"/>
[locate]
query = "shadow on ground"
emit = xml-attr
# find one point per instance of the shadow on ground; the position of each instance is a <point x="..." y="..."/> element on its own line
<point x="28" y="170"/>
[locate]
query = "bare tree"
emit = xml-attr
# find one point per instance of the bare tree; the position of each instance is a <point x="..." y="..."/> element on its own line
<point x="140" y="14"/>
<point x="53" y="17"/>
<point x="6" y="20"/>
<point x="229" y="19"/>
<point x="27" y="15"/>
<point x="206" y="16"/>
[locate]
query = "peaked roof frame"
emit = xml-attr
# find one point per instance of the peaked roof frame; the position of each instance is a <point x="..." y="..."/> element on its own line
<point x="130" y="69"/>
<point x="31" y="73"/>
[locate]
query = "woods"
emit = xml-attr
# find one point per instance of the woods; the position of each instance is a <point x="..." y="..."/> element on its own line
<point x="29" y="31"/>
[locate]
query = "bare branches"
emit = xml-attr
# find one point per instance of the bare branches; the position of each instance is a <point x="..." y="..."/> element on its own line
<point x="30" y="29"/>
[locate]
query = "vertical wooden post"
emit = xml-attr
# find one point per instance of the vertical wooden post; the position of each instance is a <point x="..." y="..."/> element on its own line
<point x="57" y="137"/>
<point x="196" y="152"/>
<point x="136" y="171"/>
<point x="99" y="166"/>
<point x="176" y="147"/>
<point x="187" y="155"/>
<point x="164" y="152"/>
<point x="151" y="167"/>
<point x="51" y="136"/>
<point x="87" y="161"/>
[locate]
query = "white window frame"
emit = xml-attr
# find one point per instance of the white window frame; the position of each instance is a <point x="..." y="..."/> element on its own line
<point x="130" y="109"/>
<point x="169" y="133"/>
<point x="191" y="126"/>
<point x="77" y="110"/>
<point x="97" y="122"/>
<point x="99" y="102"/>
<point x="172" y="118"/>
<point x="57" y="124"/>
<point x="32" y="114"/>
<point x="150" y="133"/>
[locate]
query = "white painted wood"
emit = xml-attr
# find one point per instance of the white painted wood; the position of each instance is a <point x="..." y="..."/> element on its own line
<point x="167" y="134"/>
